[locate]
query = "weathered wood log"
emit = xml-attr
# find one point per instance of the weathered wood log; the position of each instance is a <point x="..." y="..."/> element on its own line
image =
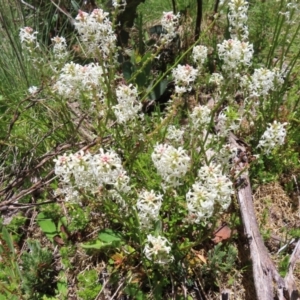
<point x="268" y="283"/>
<point x="289" y="280"/>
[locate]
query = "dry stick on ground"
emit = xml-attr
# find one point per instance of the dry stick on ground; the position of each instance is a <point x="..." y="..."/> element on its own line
<point x="17" y="182"/>
<point x="29" y="171"/>
<point x="266" y="277"/>
<point x="289" y="278"/>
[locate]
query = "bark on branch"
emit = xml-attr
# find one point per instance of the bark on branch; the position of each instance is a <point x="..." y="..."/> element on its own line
<point x="269" y="284"/>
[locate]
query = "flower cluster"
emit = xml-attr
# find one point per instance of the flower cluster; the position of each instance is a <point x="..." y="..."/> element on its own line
<point x="158" y="249"/>
<point x="235" y="54"/>
<point x="91" y="173"/>
<point x="107" y="169"/>
<point x="59" y="47"/>
<point x="128" y="105"/>
<point x="291" y="12"/>
<point x="76" y="80"/>
<point x="199" y="54"/>
<point x="274" y="136"/>
<point x="174" y="134"/>
<point x="28" y="39"/>
<point x="262" y="81"/>
<point x="184" y="76"/>
<point x="225" y="157"/>
<point x="169" y="23"/>
<point x="237" y="17"/>
<point x="200" y="116"/>
<point x="96" y="32"/>
<point x="211" y="188"/>
<point x="216" y="79"/>
<point x="228" y="121"/>
<point x="171" y="163"/>
<point x="148" y="206"/>
<point x="33" y="90"/>
<point x="74" y="167"/>
<point x="119" y="4"/>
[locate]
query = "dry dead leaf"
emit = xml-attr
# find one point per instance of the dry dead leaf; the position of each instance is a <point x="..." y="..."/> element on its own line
<point x="223" y="233"/>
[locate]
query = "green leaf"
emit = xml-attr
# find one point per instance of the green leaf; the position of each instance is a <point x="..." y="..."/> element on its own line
<point x="284" y="265"/>
<point x="62" y="221"/>
<point x="107" y="238"/>
<point x="158" y="227"/>
<point x="109" y="235"/>
<point x="7" y="238"/>
<point x="75" y="5"/>
<point x="47" y="226"/>
<point x="62" y="285"/>
<point x="11" y="297"/>
<point x="95" y="245"/>
<point x="141" y="79"/>
<point x="127" y="69"/>
<point x="159" y="89"/>
<point x="148" y="68"/>
<point x="133" y="290"/>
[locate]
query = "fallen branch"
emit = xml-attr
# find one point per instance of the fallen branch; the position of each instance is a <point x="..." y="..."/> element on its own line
<point x="269" y="284"/>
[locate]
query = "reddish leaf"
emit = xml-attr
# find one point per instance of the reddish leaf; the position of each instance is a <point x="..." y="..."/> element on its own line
<point x="223" y="233"/>
<point x="58" y="240"/>
<point x="118" y="259"/>
<point x="64" y="230"/>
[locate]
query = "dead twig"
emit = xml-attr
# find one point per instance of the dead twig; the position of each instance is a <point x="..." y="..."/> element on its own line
<point x="289" y="280"/>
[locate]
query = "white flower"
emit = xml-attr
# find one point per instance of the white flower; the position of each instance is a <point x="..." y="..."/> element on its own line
<point x="121" y="183"/>
<point x="171" y="163"/>
<point x="184" y="76"/>
<point x="291" y="12"/>
<point x="75" y="80"/>
<point x="174" y="134"/>
<point x="180" y="89"/>
<point x="211" y="188"/>
<point x="212" y="176"/>
<point x="227" y="121"/>
<point x="106" y="166"/>
<point x="262" y="81"/>
<point x="92" y="172"/>
<point x="199" y="54"/>
<point x="28" y="38"/>
<point x="200" y="116"/>
<point x="169" y="24"/>
<point x="62" y="167"/>
<point x="59" y="47"/>
<point x="225" y="156"/>
<point x="32" y="90"/>
<point x="74" y="168"/>
<point x="274" y="136"/>
<point x="120" y="4"/>
<point x="96" y="33"/>
<point x="235" y="54"/>
<point x="128" y="104"/>
<point x="69" y="193"/>
<point x="216" y="79"/>
<point x="158" y="249"/>
<point x="237" y="17"/>
<point x="148" y="206"/>
<point x="200" y="202"/>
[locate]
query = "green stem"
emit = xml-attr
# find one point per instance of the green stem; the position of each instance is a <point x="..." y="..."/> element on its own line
<point x="276" y="35"/>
